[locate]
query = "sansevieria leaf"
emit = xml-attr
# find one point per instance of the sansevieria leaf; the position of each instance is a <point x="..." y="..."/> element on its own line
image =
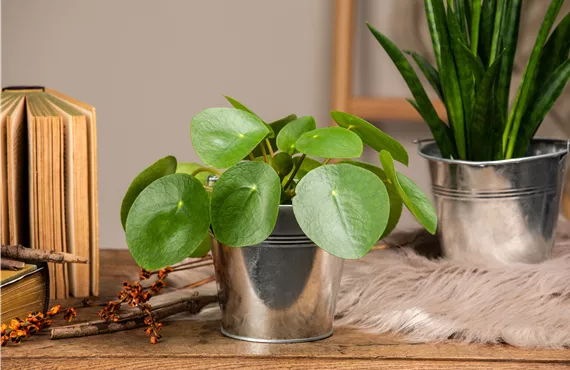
<point x="538" y="109"/>
<point x="510" y="35"/>
<point x="464" y="73"/>
<point x="430" y="73"/>
<point x="425" y="106"/>
<point x="342" y="208"/>
<point x="554" y="54"/>
<point x="482" y="128"/>
<point x="223" y="136"/>
<point x="524" y="93"/>
<point x="435" y="13"/>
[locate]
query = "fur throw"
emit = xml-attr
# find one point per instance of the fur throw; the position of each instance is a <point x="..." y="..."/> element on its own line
<point x="400" y="290"/>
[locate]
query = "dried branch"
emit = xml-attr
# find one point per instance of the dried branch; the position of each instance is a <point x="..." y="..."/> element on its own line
<point x="199" y="282"/>
<point x="20" y="253"/>
<point x="10" y="264"/>
<point x="192" y="305"/>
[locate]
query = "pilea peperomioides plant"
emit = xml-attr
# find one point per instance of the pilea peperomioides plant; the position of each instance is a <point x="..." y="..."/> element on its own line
<point x="344" y="208"/>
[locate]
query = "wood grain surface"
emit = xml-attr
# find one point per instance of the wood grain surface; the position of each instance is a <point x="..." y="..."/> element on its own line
<point x="199" y="345"/>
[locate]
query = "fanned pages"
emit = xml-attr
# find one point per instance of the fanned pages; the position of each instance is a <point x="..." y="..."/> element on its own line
<point x="49" y="183"/>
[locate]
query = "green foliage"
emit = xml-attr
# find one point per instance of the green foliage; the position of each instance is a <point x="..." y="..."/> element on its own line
<point x="245" y="203"/>
<point x="344" y="208"/>
<point x="414" y="199"/>
<point x="371" y="135"/>
<point x="291" y="132"/>
<point x="330" y="142"/>
<point x="223" y="136"/>
<point x="160" y="168"/>
<point x="338" y="205"/>
<point x="474" y="43"/>
<point x="168" y="221"/>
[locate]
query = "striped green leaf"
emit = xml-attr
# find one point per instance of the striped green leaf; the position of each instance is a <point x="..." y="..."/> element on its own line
<point x="542" y="104"/>
<point x="510" y="34"/>
<point x="431" y="74"/>
<point x="528" y="79"/>
<point x="435" y="12"/>
<point x="483" y="126"/>
<point x="425" y="106"/>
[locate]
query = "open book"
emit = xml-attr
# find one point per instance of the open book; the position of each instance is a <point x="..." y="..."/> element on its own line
<point x="48" y="155"/>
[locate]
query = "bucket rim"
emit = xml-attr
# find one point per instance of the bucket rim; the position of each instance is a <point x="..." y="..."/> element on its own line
<point x="422" y="144"/>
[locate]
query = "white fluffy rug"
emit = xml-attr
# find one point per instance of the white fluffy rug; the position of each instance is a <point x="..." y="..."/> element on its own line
<point x="398" y="289"/>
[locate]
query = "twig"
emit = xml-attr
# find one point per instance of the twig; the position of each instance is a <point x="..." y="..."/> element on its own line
<point x="20" y="253"/>
<point x="199" y="283"/>
<point x="10" y="264"/>
<point x="193" y="262"/>
<point x="192" y="305"/>
<point x="190" y="267"/>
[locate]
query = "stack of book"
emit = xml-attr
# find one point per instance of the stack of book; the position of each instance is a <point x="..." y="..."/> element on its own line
<point x="49" y="182"/>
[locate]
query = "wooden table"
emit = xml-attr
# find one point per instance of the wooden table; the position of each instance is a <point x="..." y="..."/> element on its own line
<point x="199" y="345"/>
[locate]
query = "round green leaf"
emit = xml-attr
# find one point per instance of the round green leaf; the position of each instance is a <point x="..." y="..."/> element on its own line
<point x="236" y="104"/>
<point x="414" y="199"/>
<point x="190" y="167"/>
<point x="223" y="136"/>
<point x="342" y="208"/>
<point x="203" y="248"/>
<point x="168" y="221"/>
<point x="371" y="135"/>
<point x="276" y="126"/>
<point x="282" y="163"/>
<point x="291" y="132"/>
<point x="396" y="204"/>
<point x="245" y="203"/>
<point x="162" y="167"/>
<point x="330" y="142"/>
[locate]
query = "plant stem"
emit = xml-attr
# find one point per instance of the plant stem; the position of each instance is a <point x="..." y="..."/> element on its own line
<point x="295" y="170"/>
<point x="206" y="169"/>
<point x="269" y="147"/>
<point x="263" y="151"/>
<point x="327" y="161"/>
<point x="475" y="20"/>
<point x="497" y="30"/>
<point x="251" y="157"/>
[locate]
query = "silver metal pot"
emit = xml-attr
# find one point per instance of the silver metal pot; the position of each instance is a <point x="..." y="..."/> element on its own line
<point x="280" y="291"/>
<point x="503" y="211"/>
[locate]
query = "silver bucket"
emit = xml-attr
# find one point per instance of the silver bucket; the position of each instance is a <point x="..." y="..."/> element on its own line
<point x="280" y="291"/>
<point x="503" y="211"/>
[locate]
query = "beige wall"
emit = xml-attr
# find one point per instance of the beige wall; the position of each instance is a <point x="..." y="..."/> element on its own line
<point x="149" y="66"/>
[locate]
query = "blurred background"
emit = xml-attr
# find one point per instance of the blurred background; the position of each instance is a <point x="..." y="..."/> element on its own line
<point x="149" y="66"/>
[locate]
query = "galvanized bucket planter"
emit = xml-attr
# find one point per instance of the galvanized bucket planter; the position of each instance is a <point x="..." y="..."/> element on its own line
<point x="281" y="291"/>
<point x="503" y="211"/>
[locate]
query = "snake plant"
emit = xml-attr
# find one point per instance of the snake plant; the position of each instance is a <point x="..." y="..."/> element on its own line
<point x="474" y="43"/>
